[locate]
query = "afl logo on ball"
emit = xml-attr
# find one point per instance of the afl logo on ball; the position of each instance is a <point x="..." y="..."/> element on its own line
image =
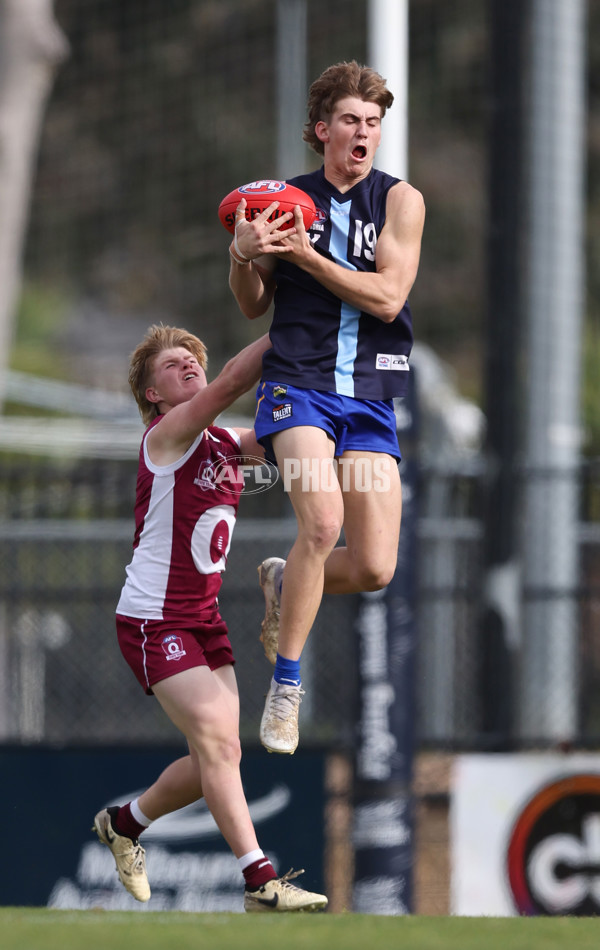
<point x="265" y="187"/>
<point x="553" y="860"/>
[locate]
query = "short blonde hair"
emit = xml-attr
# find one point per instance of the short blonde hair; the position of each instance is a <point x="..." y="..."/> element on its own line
<point x="157" y="339"/>
<point x="342" y="81"/>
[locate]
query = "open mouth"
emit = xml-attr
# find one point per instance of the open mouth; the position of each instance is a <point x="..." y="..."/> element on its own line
<point x="359" y="152"/>
<point x="189" y="376"/>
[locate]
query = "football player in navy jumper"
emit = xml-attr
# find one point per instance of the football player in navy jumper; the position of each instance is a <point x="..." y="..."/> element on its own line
<point x="341" y="338"/>
<point x="168" y="622"/>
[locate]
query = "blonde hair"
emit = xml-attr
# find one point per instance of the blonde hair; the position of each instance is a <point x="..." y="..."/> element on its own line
<point x="340" y="82"/>
<point x="157" y="339"/>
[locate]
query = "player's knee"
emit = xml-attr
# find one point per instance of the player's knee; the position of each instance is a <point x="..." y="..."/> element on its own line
<point x="323" y="533"/>
<point x="375" y="576"/>
<point x="231" y="750"/>
<point x="219" y="748"/>
<point x="326" y="535"/>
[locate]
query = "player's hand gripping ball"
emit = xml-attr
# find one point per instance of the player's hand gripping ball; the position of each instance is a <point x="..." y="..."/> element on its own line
<point x="259" y="195"/>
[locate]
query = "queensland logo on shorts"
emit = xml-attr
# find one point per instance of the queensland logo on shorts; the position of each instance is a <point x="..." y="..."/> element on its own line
<point x="279" y="391"/>
<point x="246" y="475"/>
<point x="553" y="856"/>
<point x="284" y="411"/>
<point x="265" y="187"/>
<point x="173" y="647"/>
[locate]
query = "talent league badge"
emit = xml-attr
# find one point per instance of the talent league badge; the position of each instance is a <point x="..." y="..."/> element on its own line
<point x="282" y="412"/>
<point x="553" y="858"/>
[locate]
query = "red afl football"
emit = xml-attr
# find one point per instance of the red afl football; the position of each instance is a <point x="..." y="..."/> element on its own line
<point x="259" y="195"/>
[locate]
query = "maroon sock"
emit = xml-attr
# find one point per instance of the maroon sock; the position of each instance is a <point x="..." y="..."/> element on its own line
<point x="124" y="823"/>
<point x="258" y="873"/>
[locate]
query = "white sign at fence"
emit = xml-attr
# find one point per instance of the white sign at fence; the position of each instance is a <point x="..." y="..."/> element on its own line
<point x="525" y="835"/>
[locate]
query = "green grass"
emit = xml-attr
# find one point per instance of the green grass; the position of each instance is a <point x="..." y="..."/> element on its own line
<point x="41" y="929"/>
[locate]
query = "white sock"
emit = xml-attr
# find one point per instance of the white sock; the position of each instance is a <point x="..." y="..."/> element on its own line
<point x="247" y="859"/>
<point x="139" y="815"/>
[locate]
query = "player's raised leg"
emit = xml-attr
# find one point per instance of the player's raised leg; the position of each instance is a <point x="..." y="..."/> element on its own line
<point x="305" y="456"/>
<point x="371" y="525"/>
<point x="366" y="562"/>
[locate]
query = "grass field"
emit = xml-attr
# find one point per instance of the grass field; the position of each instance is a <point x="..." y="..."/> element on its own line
<point x="24" y="928"/>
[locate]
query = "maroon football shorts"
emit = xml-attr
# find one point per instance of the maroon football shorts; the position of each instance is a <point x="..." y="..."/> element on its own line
<point x="157" y="649"/>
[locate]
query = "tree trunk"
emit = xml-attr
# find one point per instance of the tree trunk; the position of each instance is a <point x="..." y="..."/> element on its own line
<point x="31" y="48"/>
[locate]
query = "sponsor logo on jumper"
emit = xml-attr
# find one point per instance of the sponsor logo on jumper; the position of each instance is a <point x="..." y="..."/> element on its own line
<point x="341" y="211"/>
<point x="284" y="411"/>
<point x="392" y="361"/>
<point x="173" y="647"/>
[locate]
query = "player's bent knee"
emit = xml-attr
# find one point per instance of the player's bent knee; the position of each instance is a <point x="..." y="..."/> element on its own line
<point x="375" y="577"/>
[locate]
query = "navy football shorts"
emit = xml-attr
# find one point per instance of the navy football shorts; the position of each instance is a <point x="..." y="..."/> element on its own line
<point x="357" y="425"/>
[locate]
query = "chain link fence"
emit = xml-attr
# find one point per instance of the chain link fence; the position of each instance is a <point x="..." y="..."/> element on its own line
<point x="64" y="680"/>
<point x="65" y="539"/>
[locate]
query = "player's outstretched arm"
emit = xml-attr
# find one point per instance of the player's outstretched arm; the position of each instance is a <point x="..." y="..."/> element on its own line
<point x="178" y="428"/>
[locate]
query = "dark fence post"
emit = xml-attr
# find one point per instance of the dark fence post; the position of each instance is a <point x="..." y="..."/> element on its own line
<point x="503" y="397"/>
<point x="383" y="812"/>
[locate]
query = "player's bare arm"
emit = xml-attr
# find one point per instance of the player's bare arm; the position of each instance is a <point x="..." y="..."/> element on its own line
<point x="250" y="449"/>
<point x="383" y="293"/>
<point x="253" y="286"/>
<point x="251" y="259"/>
<point x="186" y="417"/>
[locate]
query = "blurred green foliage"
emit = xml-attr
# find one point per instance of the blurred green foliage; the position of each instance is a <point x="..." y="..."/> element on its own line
<point x="42" y="311"/>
